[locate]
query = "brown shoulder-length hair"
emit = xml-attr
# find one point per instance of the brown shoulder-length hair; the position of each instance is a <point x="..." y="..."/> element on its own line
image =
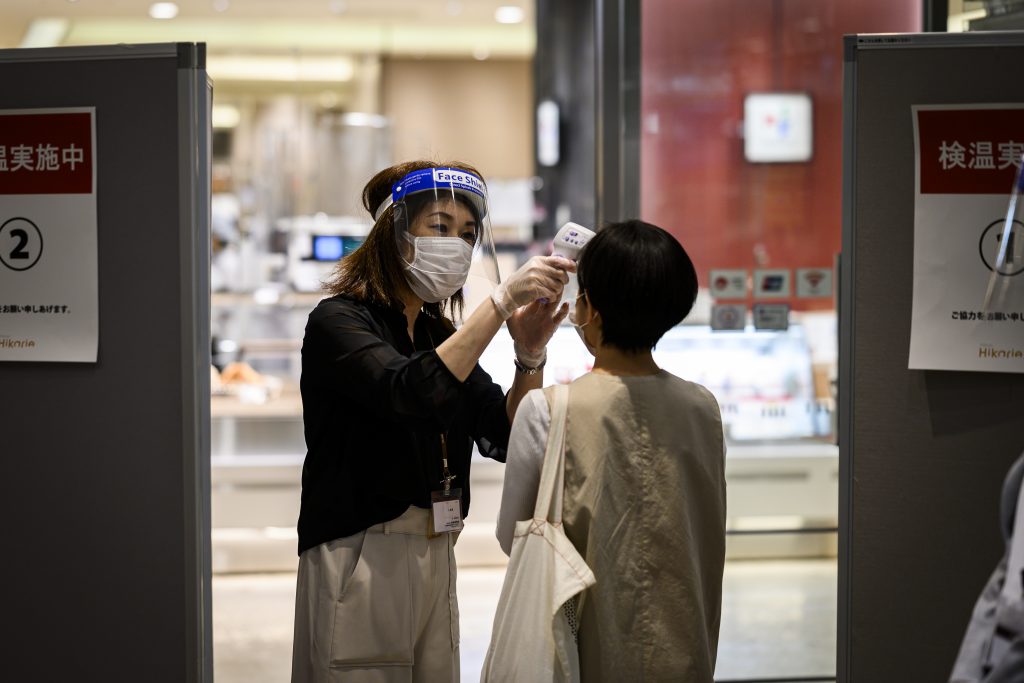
<point x="373" y="273"/>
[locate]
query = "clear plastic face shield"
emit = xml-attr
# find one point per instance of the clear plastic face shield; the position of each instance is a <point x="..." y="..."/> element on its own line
<point x="443" y="231"/>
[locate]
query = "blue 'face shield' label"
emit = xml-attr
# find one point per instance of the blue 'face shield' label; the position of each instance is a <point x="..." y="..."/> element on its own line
<point x="443" y="179"/>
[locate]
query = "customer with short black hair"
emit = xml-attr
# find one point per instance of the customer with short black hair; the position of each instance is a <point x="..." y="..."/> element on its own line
<point x="644" y="489"/>
<point x="642" y="281"/>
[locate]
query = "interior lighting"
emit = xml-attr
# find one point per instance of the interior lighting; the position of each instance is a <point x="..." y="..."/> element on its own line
<point x="509" y="14"/>
<point x="45" y="33"/>
<point x="363" y="119"/>
<point x="221" y="5"/>
<point x="163" y="10"/>
<point x="225" y="116"/>
<point x="481" y="52"/>
<point x="454" y="8"/>
<point x="280" y="69"/>
<point x="338" y="6"/>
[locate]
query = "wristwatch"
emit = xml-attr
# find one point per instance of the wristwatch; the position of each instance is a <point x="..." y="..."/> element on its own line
<point x="529" y="371"/>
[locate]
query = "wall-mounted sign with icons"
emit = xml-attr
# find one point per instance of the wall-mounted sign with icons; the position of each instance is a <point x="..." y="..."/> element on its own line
<point x="813" y="282"/>
<point x="772" y="283"/>
<point x="777" y="127"/>
<point x="771" y="316"/>
<point x="49" y="291"/>
<point x="728" y="317"/>
<point x="727" y="283"/>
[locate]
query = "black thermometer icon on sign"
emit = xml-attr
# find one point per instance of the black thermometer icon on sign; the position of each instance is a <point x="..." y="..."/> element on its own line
<point x="1006" y="259"/>
<point x="21" y="244"/>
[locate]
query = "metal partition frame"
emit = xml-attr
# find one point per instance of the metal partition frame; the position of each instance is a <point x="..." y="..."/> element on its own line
<point x="107" y="463"/>
<point x="922" y="453"/>
<point x="617" y="154"/>
<point x="194" y="127"/>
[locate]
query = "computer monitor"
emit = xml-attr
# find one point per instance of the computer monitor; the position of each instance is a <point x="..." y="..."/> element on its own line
<point x="327" y="247"/>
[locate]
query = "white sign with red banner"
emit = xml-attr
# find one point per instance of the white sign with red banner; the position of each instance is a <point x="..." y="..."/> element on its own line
<point x="49" y="296"/>
<point x="966" y="160"/>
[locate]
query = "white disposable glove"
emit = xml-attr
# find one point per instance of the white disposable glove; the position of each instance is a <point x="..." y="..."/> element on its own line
<point x="527" y="358"/>
<point x="542" y="277"/>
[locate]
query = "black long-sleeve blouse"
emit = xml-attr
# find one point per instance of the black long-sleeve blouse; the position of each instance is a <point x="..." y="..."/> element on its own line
<point x="374" y="408"/>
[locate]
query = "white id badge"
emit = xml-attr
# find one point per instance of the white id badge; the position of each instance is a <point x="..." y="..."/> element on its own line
<point x="446" y="511"/>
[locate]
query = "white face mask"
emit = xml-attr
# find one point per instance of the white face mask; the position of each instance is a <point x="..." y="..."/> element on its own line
<point x="579" y="328"/>
<point x="439" y="267"/>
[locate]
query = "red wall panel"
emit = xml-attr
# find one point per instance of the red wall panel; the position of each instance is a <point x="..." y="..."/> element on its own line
<point x="699" y="59"/>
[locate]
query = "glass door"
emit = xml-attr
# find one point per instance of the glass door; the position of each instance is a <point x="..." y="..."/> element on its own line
<point x="720" y="121"/>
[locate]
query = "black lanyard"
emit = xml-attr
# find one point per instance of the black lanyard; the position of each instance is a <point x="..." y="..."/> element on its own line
<point x="446" y="476"/>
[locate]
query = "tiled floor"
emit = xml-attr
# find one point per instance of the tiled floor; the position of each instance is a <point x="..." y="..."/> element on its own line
<point x="778" y="620"/>
<point x="252" y="627"/>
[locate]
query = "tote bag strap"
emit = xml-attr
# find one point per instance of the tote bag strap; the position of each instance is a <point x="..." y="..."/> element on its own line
<point x="549" y="493"/>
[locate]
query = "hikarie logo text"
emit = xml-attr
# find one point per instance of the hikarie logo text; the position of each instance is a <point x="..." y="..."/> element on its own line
<point x="8" y="343"/>
<point x="990" y="351"/>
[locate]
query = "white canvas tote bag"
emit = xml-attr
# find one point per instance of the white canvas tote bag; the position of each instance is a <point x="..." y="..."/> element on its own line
<point x="532" y="641"/>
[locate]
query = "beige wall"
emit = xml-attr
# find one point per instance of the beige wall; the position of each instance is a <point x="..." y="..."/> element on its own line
<point x="480" y="112"/>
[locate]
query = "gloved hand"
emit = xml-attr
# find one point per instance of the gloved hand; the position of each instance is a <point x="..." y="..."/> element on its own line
<point x="531" y="358"/>
<point x="531" y="328"/>
<point x="540" y="278"/>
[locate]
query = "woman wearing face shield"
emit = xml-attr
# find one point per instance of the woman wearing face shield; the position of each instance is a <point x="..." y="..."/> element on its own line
<point x="393" y="400"/>
<point x="644" y="482"/>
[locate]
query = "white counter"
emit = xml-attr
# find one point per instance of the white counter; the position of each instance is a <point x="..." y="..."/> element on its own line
<point x="255" y="504"/>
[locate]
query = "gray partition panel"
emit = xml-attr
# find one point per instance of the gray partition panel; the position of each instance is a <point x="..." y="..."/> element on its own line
<point x="922" y="453"/>
<point x="105" y="466"/>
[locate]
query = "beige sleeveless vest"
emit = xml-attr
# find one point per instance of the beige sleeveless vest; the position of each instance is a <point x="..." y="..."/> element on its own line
<point x="645" y="505"/>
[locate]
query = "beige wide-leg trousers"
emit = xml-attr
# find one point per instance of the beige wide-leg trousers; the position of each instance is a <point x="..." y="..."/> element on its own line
<point x="378" y="607"/>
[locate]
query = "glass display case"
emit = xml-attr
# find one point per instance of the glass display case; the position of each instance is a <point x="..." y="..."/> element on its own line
<point x="257" y="443"/>
<point x="775" y="392"/>
<point x="773" y="389"/>
<point x="764" y="381"/>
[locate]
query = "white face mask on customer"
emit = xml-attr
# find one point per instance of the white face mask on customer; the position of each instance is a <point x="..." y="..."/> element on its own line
<point x="579" y="328"/>
<point x="439" y="267"/>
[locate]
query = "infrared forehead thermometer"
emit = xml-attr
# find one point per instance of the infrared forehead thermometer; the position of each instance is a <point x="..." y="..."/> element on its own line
<point x="571" y="238"/>
<point x="568" y="242"/>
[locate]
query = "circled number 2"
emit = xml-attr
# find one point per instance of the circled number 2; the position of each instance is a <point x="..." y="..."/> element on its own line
<point x="21" y="244"/>
<point x="19" y="249"/>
